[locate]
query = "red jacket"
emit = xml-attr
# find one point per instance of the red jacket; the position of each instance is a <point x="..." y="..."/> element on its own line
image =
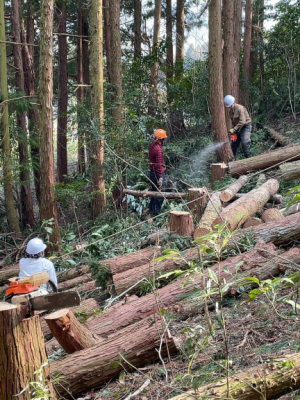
<point x="157" y="161"/>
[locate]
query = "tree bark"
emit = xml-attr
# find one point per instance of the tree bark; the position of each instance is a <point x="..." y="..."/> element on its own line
<point x="154" y="69"/>
<point x="131" y="261"/>
<point x="96" y="50"/>
<point x="272" y="214"/>
<point x="261" y="179"/>
<point x="276" y="199"/>
<point x="218" y="120"/>
<point x="198" y="199"/>
<point x="228" y="55"/>
<point x="247" y="51"/>
<point x="48" y="205"/>
<point x="232" y="190"/>
<point x="83" y="312"/>
<point x="69" y="332"/>
<point x="278" y="232"/>
<point x="238" y="212"/>
<point x="170" y="61"/>
<point x="179" y="37"/>
<point x="103" y="362"/>
<point x="272" y="379"/>
<point x="22" y="353"/>
<point x="29" y="75"/>
<point x="289" y="171"/>
<point x="9" y="272"/>
<point x="11" y="213"/>
<point x="241" y="167"/>
<point x="72" y="273"/>
<point x="62" y="120"/>
<point x="116" y="61"/>
<point x="118" y="318"/>
<point x="107" y="35"/>
<point x="277" y="136"/>
<point x="79" y="91"/>
<point x="238" y="8"/>
<point x="217" y="172"/>
<point x="26" y="197"/>
<point x="137" y="28"/>
<point x="157" y="195"/>
<point x="72" y="283"/>
<point x="291" y="210"/>
<point x="181" y="223"/>
<point x="212" y="211"/>
<point x="252" y="221"/>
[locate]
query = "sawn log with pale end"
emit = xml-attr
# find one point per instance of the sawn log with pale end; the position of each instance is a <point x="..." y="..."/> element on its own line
<point x="238" y="212"/>
<point x="156" y="195"/>
<point x="212" y="211"/>
<point x="233" y="189"/>
<point x="273" y="158"/>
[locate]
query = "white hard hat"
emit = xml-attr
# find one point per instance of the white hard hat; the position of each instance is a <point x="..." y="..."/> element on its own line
<point x="35" y="246"/>
<point x="229" y="100"/>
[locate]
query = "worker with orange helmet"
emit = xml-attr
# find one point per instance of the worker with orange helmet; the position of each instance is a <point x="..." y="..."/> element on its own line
<point x="157" y="169"/>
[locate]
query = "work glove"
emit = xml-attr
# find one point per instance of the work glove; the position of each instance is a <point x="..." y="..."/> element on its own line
<point x="231" y="131"/>
<point x="160" y="183"/>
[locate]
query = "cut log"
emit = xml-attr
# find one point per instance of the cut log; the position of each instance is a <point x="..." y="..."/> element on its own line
<point x="217" y="172"/>
<point x="272" y="379"/>
<point x="276" y="198"/>
<point x="69" y="332"/>
<point x="181" y="223"/>
<point x="155" y="238"/>
<point x="289" y="171"/>
<point x="111" y="321"/>
<point x="87" y="309"/>
<point x="261" y="180"/>
<point x="238" y="212"/>
<point x="232" y="190"/>
<point x="8" y="272"/>
<point x="198" y="199"/>
<point x="212" y="211"/>
<point x="278" y="232"/>
<point x="242" y="167"/>
<point x="72" y="273"/>
<point x="134" y="346"/>
<point x="252" y="221"/>
<point x="22" y="353"/>
<point x="291" y="210"/>
<point x="72" y="283"/>
<point x="277" y="136"/>
<point x="272" y="214"/>
<point x="156" y="195"/>
<point x="131" y="260"/>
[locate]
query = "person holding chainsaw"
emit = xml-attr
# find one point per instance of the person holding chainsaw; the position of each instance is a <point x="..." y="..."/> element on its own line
<point x="34" y="262"/>
<point x="157" y="169"/>
<point x="241" y="122"/>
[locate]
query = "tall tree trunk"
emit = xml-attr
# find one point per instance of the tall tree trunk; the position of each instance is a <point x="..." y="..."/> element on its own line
<point x="96" y="52"/>
<point x="169" y="27"/>
<point x="26" y="197"/>
<point x="247" y="51"/>
<point x="62" y="121"/>
<point x="107" y="33"/>
<point x="48" y="204"/>
<point x="116" y="61"/>
<point x="137" y="28"/>
<point x="154" y="69"/>
<point x="218" y="120"/>
<point x="29" y="75"/>
<point x="261" y="17"/>
<point x="86" y="71"/>
<point x="5" y="139"/>
<point x="79" y="92"/>
<point x="228" y="58"/>
<point x="238" y="8"/>
<point x="179" y="37"/>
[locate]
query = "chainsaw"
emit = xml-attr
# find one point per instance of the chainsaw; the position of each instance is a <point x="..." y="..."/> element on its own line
<point x="26" y="292"/>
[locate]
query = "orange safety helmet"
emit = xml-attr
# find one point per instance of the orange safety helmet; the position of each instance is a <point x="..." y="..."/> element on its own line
<point x="160" y="134"/>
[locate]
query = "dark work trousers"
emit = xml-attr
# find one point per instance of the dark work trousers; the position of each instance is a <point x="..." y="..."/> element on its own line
<point x="243" y="136"/>
<point x="155" y="204"/>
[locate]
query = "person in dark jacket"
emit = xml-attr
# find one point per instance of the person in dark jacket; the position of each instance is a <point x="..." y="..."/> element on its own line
<point x="241" y="126"/>
<point x="157" y="169"/>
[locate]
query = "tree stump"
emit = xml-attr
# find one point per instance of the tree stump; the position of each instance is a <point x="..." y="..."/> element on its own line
<point x="181" y="223"/>
<point x="252" y="221"/>
<point x="22" y="353"/>
<point x="217" y="172"/>
<point x="198" y="199"/>
<point x="69" y="332"/>
<point x="272" y="214"/>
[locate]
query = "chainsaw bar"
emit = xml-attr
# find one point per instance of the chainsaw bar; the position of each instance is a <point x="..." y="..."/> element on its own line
<point x="55" y="301"/>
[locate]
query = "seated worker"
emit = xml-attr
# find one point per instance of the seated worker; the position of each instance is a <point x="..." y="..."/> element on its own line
<point x="34" y="262"/>
<point x="241" y="126"/>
